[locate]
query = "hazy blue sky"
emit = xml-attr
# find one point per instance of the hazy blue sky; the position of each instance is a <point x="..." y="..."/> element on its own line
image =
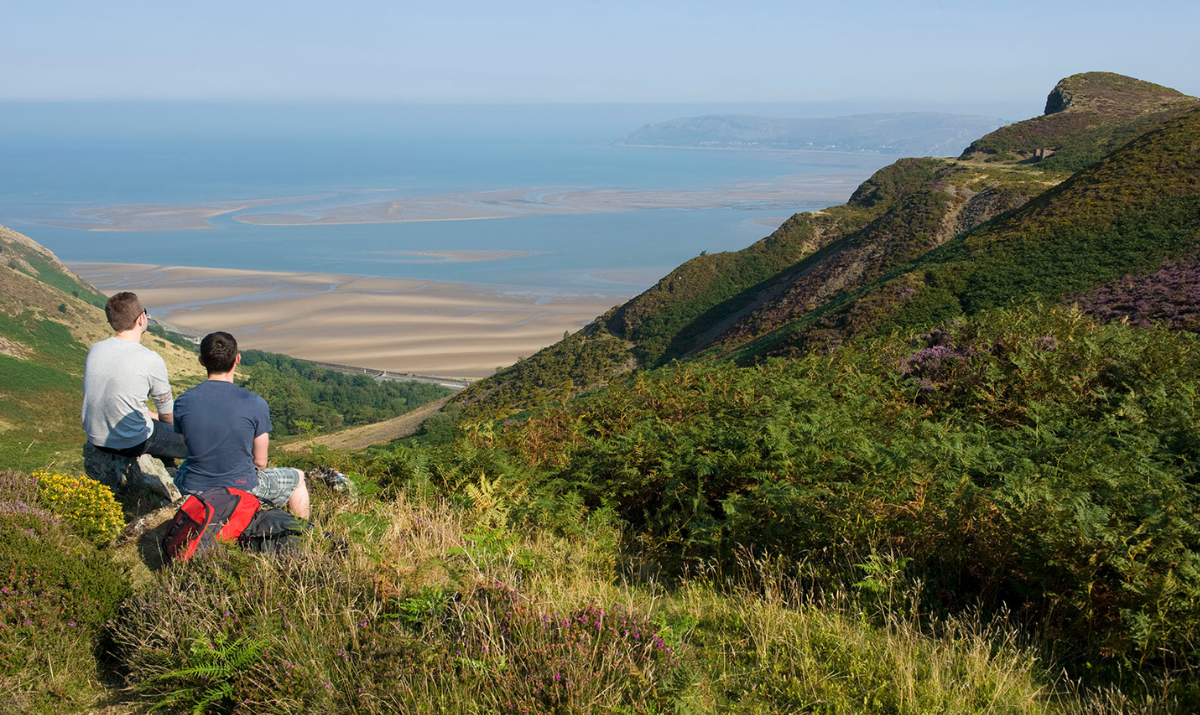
<point x="520" y="51"/>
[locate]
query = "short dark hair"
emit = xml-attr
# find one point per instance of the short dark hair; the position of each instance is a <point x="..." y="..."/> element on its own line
<point x="218" y="352"/>
<point x="122" y="311"/>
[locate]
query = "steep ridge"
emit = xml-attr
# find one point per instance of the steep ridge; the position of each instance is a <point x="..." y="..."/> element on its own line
<point x="24" y="255"/>
<point x="659" y="320"/>
<point x="1127" y="213"/>
<point x="1087" y="116"/>
<point x="957" y="200"/>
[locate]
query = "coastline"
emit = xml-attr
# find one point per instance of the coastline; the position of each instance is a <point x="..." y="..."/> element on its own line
<point x="399" y="325"/>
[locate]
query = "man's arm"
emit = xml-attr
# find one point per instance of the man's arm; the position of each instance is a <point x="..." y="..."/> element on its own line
<point x="160" y="391"/>
<point x="260" y="450"/>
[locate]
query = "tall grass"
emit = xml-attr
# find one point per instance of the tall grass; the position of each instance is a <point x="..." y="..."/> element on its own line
<point x="430" y="608"/>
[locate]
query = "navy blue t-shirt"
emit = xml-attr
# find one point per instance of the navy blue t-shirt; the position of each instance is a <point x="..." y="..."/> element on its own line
<point x="219" y="421"/>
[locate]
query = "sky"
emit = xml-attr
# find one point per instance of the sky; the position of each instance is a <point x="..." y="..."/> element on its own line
<point x="597" y="51"/>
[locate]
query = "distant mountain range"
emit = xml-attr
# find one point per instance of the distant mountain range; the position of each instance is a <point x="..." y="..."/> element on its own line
<point x="901" y="134"/>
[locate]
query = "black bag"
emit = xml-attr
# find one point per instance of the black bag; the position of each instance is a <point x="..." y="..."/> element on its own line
<point x="272" y="531"/>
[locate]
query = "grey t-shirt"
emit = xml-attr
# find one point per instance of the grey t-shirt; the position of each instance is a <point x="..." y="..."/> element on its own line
<point x="117" y="378"/>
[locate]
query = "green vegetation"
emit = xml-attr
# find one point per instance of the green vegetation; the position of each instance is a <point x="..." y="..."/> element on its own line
<point x="953" y="201"/>
<point x="1087" y="116"/>
<point x="573" y="365"/>
<point x="45" y="381"/>
<point x="947" y="497"/>
<point x="443" y="608"/>
<point x="668" y="320"/>
<point x="55" y="278"/>
<point x="300" y="392"/>
<point x="57" y="592"/>
<point x="172" y="337"/>
<point x="655" y="319"/>
<point x="1005" y="457"/>
<point x="1128" y="212"/>
<point x="23" y="255"/>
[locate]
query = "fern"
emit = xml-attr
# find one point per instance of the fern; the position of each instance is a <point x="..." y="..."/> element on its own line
<point x="208" y="677"/>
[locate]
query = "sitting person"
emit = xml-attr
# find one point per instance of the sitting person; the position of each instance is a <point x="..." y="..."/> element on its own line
<point x="118" y="375"/>
<point x="227" y="429"/>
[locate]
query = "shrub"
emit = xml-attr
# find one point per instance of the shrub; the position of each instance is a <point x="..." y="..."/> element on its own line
<point x="18" y="487"/>
<point x="87" y="505"/>
<point x="56" y="593"/>
<point x="1030" y="458"/>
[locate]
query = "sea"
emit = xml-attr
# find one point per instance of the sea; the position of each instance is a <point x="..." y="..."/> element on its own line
<point x="60" y="159"/>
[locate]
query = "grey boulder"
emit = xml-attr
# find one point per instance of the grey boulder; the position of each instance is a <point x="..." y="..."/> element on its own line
<point x="129" y="474"/>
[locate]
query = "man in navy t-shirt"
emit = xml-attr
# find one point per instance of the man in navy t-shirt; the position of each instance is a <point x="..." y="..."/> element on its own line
<point x="227" y="429"/>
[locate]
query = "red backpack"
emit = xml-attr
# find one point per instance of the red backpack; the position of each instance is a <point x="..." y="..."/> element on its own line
<point x="221" y="513"/>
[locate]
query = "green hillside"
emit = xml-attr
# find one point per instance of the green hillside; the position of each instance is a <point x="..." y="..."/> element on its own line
<point x="1087" y="116"/>
<point x="1126" y="213"/>
<point x="818" y="262"/>
<point x="662" y="323"/>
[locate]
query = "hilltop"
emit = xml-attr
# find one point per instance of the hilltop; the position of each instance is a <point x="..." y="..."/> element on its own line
<point x="1126" y="213"/>
<point x="1087" y="116"/>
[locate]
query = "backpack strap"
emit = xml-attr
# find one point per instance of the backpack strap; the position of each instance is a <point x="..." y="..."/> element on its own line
<point x="187" y="527"/>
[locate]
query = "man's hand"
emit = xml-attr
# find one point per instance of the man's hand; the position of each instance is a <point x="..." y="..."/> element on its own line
<point x="260" y="450"/>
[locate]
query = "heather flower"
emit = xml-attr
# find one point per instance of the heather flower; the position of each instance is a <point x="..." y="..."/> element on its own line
<point x="18" y="487"/>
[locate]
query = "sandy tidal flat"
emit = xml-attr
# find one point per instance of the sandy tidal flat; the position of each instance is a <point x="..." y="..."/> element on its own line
<point x="424" y="327"/>
<point x="510" y="203"/>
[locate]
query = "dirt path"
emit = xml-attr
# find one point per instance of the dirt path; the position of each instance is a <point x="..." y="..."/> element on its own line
<point x="378" y="433"/>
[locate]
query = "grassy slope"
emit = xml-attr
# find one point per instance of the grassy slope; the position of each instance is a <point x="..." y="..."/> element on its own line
<point x="1127" y="212"/>
<point x="47" y="329"/>
<point x="1087" y="116"/>
<point x="957" y="198"/>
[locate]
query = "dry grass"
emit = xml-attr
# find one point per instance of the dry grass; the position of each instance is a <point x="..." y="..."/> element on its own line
<point x="436" y="608"/>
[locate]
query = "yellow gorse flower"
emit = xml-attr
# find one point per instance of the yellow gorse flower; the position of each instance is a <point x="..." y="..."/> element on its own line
<point x="85" y="504"/>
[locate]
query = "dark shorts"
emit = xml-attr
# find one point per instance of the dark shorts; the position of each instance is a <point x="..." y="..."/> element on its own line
<point x="275" y="484"/>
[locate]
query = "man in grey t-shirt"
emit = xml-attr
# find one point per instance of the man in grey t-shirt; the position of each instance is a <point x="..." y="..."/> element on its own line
<point x="117" y="378"/>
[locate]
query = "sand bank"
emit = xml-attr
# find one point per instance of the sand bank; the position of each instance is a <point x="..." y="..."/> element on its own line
<point x="160" y="217"/>
<point x="425" y="327"/>
<point x="509" y="203"/>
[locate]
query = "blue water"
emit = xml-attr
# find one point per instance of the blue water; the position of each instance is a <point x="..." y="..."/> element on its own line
<point x="57" y="159"/>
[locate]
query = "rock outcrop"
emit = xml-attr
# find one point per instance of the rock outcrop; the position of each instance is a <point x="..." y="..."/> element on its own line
<point x="128" y="474"/>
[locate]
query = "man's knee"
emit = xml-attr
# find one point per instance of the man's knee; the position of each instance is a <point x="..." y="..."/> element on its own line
<point x="298" y="503"/>
<point x="301" y="482"/>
